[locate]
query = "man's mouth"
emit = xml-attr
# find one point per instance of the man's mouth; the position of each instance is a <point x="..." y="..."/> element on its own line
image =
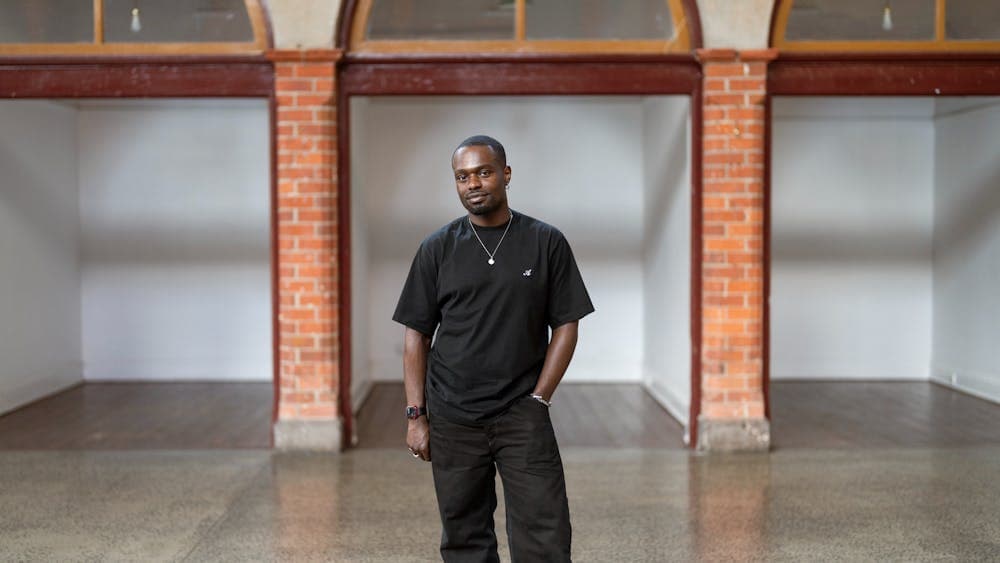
<point x="477" y="199"/>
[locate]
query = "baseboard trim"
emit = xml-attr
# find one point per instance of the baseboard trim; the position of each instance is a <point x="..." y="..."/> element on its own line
<point x="669" y="400"/>
<point x="982" y="385"/>
<point x="35" y="389"/>
<point x="358" y="399"/>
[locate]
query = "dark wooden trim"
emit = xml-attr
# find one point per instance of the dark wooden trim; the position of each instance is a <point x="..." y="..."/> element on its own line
<point x="136" y="80"/>
<point x="697" y="126"/>
<point x="342" y="37"/>
<point x="765" y="330"/>
<point x="524" y="78"/>
<point x="344" y="264"/>
<point x="658" y="75"/>
<point x="694" y="23"/>
<point x="908" y="75"/>
<point x="272" y="107"/>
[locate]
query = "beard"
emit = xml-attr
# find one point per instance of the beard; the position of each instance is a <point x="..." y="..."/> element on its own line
<point x="488" y="206"/>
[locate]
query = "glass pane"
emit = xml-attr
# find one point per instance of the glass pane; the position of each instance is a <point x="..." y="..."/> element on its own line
<point x="46" y="21"/>
<point x="972" y="19"/>
<point x="861" y="20"/>
<point x="598" y="19"/>
<point x="442" y="19"/>
<point x="176" y="21"/>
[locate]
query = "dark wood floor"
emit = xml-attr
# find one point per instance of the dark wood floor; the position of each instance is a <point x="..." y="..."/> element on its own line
<point x="838" y="414"/>
<point x="591" y="415"/>
<point x="156" y="416"/>
<point x="238" y="415"/>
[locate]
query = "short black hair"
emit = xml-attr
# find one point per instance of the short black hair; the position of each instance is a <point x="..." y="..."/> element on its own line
<point x="484" y="141"/>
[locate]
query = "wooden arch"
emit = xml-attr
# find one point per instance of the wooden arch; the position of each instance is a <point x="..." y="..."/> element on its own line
<point x="256" y="11"/>
<point x="940" y="43"/>
<point x="354" y="16"/>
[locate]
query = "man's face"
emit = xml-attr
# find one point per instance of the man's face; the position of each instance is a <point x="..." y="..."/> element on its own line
<point x="480" y="178"/>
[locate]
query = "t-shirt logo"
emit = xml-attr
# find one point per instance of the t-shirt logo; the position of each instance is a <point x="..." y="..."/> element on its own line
<point x="527" y="273"/>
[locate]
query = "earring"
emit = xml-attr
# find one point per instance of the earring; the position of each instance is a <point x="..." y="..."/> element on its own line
<point x="506" y="186"/>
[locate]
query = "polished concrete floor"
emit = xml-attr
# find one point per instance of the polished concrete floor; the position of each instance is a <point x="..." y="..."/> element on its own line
<point x="860" y="472"/>
<point x="378" y="505"/>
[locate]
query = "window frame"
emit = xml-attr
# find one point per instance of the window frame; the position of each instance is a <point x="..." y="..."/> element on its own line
<point x="680" y="43"/>
<point x="259" y="45"/>
<point x="939" y="44"/>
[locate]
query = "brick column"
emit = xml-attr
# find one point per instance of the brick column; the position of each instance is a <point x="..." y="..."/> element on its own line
<point x="308" y="416"/>
<point x="732" y="397"/>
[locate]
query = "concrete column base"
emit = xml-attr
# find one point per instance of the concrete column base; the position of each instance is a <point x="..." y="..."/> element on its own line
<point x="749" y="435"/>
<point x="311" y="435"/>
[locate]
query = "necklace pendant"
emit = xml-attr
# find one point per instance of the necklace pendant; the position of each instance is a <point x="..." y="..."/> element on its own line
<point x="491" y="261"/>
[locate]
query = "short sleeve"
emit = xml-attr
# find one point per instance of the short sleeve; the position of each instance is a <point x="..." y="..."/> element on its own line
<point x="418" y="306"/>
<point x="568" y="298"/>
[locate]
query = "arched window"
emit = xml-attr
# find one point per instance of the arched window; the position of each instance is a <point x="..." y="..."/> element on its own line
<point x="520" y="26"/>
<point x="128" y="27"/>
<point x="887" y="25"/>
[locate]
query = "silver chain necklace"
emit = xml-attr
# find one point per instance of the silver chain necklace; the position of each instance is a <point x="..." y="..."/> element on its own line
<point x="509" y="221"/>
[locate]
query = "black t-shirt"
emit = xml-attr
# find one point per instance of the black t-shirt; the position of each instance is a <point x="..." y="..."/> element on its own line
<point x="492" y="321"/>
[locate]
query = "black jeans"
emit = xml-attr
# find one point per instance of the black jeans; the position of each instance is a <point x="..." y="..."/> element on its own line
<point x="521" y="445"/>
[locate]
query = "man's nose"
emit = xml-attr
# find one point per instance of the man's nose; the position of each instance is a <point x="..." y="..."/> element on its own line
<point x="474" y="182"/>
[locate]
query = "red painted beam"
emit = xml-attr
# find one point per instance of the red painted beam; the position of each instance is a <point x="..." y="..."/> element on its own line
<point x="908" y="75"/>
<point x="524" y="78"/>
<point x="123" y="80"/>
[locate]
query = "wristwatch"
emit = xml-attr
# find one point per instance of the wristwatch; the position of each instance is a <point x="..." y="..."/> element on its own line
<point x="414" y="412"/>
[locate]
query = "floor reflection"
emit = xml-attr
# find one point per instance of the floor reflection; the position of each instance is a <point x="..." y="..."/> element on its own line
<point x="378" y="505"/>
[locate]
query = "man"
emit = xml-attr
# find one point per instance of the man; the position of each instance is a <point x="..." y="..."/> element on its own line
<point x="491" y="283"/>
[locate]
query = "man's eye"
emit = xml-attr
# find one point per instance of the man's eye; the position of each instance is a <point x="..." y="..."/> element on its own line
<point x="484" y="173"/>
<point x="460" y="178"/>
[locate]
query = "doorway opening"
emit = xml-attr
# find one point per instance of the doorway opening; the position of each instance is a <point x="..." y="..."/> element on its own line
<point x="613" y="173"/>
<point x="885" y="250"/>
<point x="136" y="274"/>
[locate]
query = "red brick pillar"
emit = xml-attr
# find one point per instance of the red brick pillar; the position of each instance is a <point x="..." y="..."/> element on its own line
<point x="732" y="393"/>
<point x="308" y="414"/>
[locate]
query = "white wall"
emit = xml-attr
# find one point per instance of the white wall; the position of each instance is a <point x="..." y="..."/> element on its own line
<point x="666" y="252"/>
<point x="39" y="268"/>
<point x="585" y="150"/>
<point x="175" y="240"/>
<point x="852" y="204"/>
<point x="967" y="246"/>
